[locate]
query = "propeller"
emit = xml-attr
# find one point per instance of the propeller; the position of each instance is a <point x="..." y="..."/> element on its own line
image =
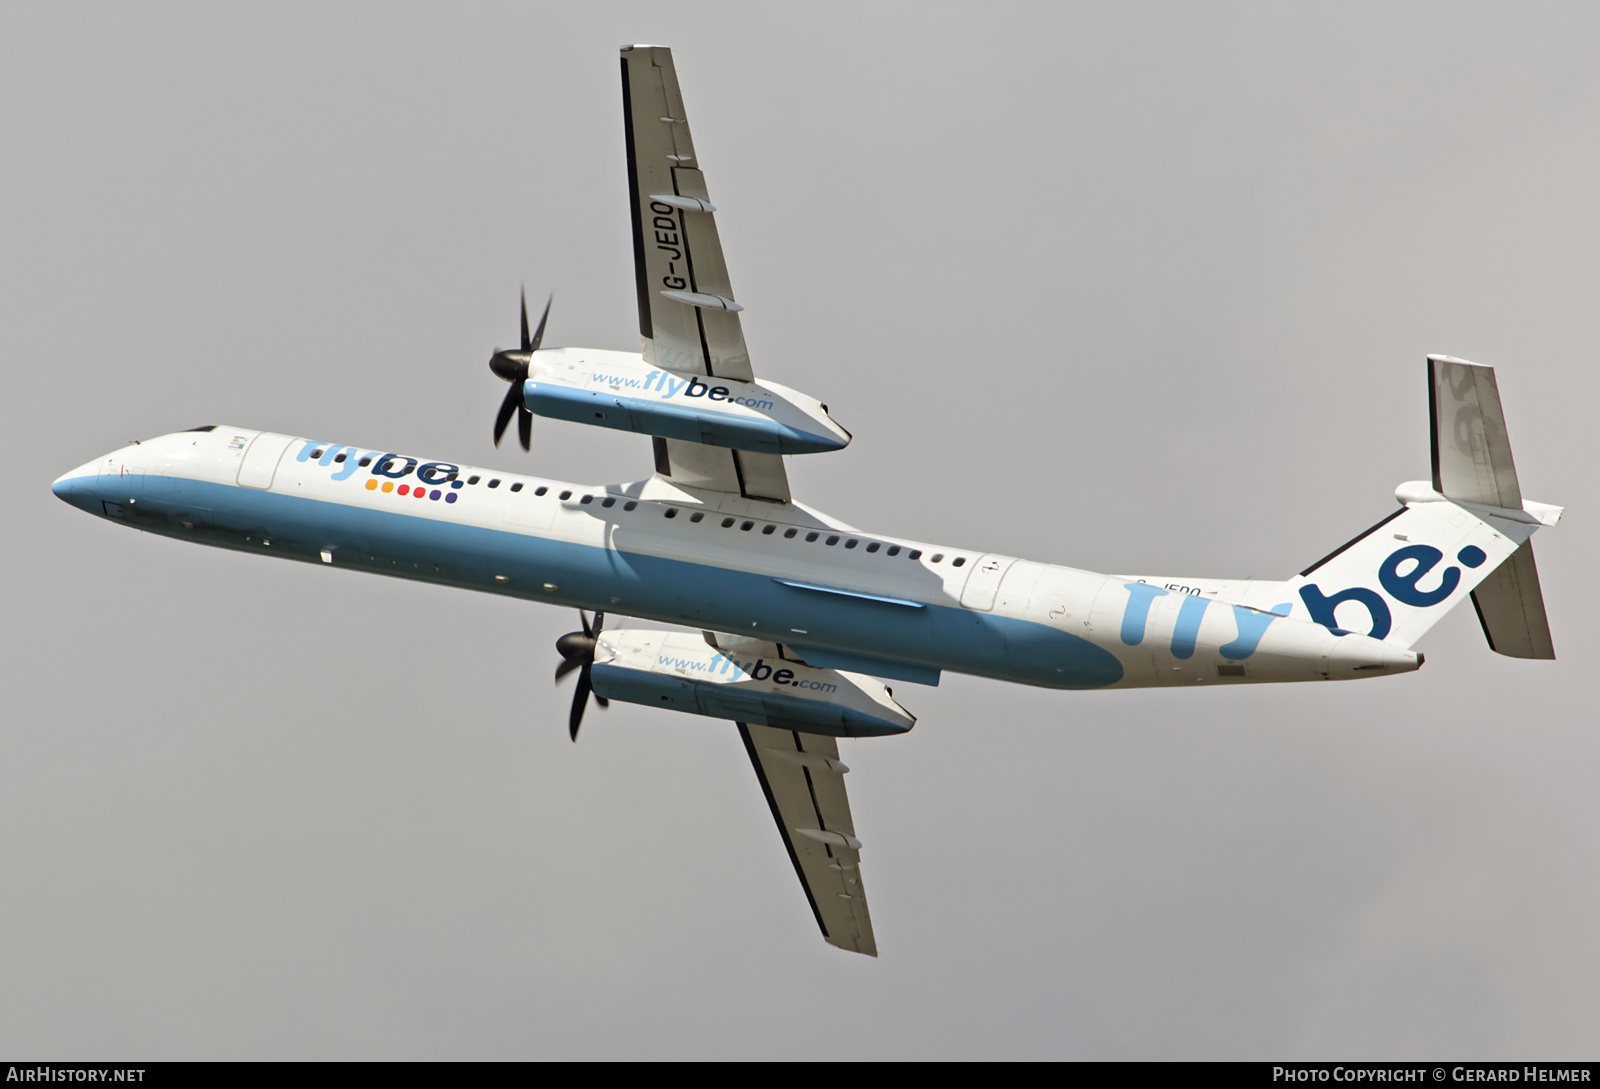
<point x="513" y="367"/>
<point x="577" y="652"/>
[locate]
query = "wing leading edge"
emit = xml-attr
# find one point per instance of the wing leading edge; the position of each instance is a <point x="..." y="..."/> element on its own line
<point x="804" y="783"/>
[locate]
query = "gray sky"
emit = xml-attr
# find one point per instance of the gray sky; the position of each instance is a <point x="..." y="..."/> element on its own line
<point x="1131" y="287"/>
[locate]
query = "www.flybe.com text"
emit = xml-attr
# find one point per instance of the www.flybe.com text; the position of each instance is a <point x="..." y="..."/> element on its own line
<point x="663" y="383"/>
<point x="757" y="670"/>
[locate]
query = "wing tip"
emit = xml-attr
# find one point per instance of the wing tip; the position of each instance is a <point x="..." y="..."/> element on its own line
<point x="867" y="947"/>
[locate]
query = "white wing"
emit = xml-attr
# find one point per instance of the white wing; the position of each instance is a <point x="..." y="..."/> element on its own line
<point x="687" y="313"/>
<point x="804" y="783"/>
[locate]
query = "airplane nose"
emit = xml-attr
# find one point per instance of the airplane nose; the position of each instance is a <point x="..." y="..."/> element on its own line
<point x="67" y="487"/>
<point x="77" y="487"/>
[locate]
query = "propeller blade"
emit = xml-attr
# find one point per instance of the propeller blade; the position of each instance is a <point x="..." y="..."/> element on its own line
<point x="525" y="427"/>
<point x="507" y="407"/>
<point x="580" y="698"/>
<point x="599" y="622"/>
<point x="538" y="336"/>
<point x="577" y="652"/>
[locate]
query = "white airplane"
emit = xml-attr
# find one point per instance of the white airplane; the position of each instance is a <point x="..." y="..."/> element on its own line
<point x="802" y="618"/>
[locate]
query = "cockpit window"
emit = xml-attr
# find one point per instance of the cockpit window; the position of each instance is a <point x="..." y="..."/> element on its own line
<point x="207" y="427"/>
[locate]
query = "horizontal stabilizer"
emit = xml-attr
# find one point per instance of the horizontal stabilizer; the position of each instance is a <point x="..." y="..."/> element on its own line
<point x="1471" y="453"/>
<point x="1511" y="608"/>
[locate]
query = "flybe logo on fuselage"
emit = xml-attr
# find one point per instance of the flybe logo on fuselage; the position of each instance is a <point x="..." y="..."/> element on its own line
<point x="1249" y="624"/>
<point x="435" y="480"/>
<point x="1416" y="560"/>
<point x="1399" y="574"/>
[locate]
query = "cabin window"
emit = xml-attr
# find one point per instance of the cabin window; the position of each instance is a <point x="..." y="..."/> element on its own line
<point x="495" y="483"/>
<point x="672" y="512"/>
<point x="959" y="560"/>
<point x="873" y="547"/>
<point x="811" y="537"/>
<point x="473" y="479"/>
<point x="790" y="532"/>
<point x="585" y="500"/>
<point x="851" y="543"/>
<point x="608" y="501"/>
<point x="894" y="550"/>
<point x="564" y="495"/>
<point x="768" y="530"/>
<point x="317" y="453"/>
<point x="697" y="515"/>
<point x="936" y="557"/>
<point x="517" y="487"/>
<point x="833" y="539"/>
<point x="746" y="527"/>
<point x="629" y="505"/>
<point x="339" y="460"/>
<point x="540" y="490"/>
<point x="726" y="522"/>
<point x="914" y="554"/>
<point x="364" y="462"/>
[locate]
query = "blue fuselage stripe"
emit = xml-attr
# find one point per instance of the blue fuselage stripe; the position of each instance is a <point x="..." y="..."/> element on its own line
<point x="525" y="565"/>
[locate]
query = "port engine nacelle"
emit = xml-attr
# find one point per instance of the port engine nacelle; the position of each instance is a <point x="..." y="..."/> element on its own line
<point x="745" y="680"/>
<point x="620" y="390"/>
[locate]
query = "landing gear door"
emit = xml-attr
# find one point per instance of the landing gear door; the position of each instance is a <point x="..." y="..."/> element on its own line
<point x="984" y="582"/>
<point x="261" y="460"/>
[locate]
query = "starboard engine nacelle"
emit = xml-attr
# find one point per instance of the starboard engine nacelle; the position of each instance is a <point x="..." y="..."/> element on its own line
<point x="745" y="680"/>
<point x="621" y="391"/>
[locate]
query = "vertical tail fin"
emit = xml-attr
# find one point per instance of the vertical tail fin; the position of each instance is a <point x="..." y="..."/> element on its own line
<point x="1467" y="534"/>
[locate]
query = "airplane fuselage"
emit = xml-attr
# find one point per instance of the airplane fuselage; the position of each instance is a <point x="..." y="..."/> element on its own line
<point x="783" y="573"/>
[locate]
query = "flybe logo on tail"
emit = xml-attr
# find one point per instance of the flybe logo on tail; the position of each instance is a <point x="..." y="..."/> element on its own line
<point x="1399" y="575"/>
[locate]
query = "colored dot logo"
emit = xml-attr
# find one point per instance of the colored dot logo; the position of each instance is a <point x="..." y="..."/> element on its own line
<point x="418" y="492"/>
